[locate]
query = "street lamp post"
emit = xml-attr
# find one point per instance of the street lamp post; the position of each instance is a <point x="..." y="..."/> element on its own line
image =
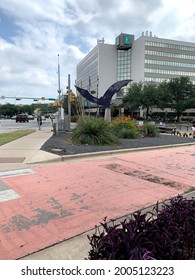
<point x="69" y="105"/>
<point x="60" y="119"/>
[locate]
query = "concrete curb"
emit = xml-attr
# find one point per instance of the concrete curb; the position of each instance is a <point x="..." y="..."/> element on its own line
<point x="122" y="151"/>
<point x="55" y="158"/>
<point x="52" y="160"/>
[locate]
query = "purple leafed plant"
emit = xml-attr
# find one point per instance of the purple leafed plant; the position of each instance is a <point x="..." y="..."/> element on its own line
<point x="166" y="233"/>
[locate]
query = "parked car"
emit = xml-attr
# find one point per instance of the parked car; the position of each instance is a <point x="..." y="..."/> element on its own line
<point x="22" y="118"/>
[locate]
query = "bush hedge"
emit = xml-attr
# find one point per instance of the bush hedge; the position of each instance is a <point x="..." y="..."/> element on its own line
<point x="95" y="131"/>
<point x="148" y="130"/>
<point x="126" y="127"/>
<point x="166" y="233"/>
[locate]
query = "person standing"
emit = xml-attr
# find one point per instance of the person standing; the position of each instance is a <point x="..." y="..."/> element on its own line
<point x="39" y="121"/>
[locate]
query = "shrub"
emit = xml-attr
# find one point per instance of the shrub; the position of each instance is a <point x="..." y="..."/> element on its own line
<point x="148" y="130"/>
<point x="93" y="131"/>
<point x="128" y="133"/>
<point x="167" y="233"/>
<point x="124" y="127"/>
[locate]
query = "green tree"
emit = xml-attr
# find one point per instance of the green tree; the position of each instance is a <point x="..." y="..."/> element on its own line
<point x="177" y="94"/>
<point x="132" y="100"/>
<point x="149" y="96"/>
<point x="164" y="97"/>
<point x="143" y="95"/>
<point x="74" y="105"/>
<point x="12" y="109"/>
<point x="8" y="110"/>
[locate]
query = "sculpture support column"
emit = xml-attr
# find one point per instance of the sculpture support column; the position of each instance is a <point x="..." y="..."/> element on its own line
<point x="107" y="114"/>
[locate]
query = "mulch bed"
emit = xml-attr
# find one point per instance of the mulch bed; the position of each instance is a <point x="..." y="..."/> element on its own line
<point x="59" y="145"/>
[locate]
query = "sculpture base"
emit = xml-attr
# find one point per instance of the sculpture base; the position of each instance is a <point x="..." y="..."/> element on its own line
<point x="107" y="114"/>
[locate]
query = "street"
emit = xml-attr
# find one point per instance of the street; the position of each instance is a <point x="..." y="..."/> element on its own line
<point x="11" y="125"/>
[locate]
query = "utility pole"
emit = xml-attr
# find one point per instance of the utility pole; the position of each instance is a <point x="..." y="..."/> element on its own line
<point x="69" y="105"/>
<point x="97" y="113"/>
<point x="60" y="118"/>
<point x="59" y="89"/>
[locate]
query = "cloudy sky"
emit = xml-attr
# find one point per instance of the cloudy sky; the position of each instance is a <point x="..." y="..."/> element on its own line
<point x="34" y="32"/>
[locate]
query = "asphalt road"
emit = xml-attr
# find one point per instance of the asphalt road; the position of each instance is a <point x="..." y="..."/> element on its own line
<point x="12" y="125"/>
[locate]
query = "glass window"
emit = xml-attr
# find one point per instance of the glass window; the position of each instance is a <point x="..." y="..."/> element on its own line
<point x="123" y="64"/>
<point x="170" y="63"/>
<point x="170" y="46"/>
<point x="167" y="54"/>
<point x="169" y="72"/>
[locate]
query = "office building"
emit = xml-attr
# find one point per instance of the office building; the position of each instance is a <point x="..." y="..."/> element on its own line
<point x="147" y="58"/>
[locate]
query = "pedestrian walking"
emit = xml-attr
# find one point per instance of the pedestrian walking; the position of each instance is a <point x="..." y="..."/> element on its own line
<point x="39" y="121"/>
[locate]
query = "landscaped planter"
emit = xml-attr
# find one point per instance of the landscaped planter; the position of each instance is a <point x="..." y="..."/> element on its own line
<point x="167" y="233"/>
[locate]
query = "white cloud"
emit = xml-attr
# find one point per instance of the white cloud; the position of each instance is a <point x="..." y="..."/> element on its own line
<point x="71" y="28"/>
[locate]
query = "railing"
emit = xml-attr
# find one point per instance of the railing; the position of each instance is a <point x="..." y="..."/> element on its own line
<point x="179" y="130"/>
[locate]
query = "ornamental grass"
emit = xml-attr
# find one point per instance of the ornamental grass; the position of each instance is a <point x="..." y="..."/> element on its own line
<point x="93" y="131"/>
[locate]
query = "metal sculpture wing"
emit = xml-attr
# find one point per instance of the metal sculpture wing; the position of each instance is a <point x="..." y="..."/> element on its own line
<point x="85" y="93"/>
<point x="106" y="98"/>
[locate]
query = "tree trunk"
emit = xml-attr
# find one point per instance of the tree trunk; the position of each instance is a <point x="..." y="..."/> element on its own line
<point x="147" y="113"/>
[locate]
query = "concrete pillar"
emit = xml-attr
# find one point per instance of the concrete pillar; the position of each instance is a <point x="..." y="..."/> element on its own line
<point x="107" y="114"/>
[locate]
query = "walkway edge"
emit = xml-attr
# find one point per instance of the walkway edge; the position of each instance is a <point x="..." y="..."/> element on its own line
<point x="122" y="151"/>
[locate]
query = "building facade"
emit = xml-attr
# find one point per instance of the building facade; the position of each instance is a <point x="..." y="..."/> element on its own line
<point x="156" y="59"/>
<point x="147" y="58"/>
<point x="98" y="69"/>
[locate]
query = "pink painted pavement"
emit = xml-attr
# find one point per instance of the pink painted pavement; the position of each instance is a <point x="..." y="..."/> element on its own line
<point x="60" y="201"/>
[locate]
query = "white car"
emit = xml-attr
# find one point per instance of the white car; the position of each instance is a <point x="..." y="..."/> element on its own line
<point x="30" y="117"/>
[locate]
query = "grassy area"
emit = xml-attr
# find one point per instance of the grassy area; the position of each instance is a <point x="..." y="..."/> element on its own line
<point x="11" y="136"/>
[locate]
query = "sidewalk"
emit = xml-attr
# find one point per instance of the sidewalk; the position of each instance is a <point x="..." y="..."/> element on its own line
<point x="26" y="150"/>
<point x="47" y="210"/>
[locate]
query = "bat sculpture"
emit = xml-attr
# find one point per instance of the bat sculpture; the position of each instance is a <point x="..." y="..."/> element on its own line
<point x="106" y="98"/>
